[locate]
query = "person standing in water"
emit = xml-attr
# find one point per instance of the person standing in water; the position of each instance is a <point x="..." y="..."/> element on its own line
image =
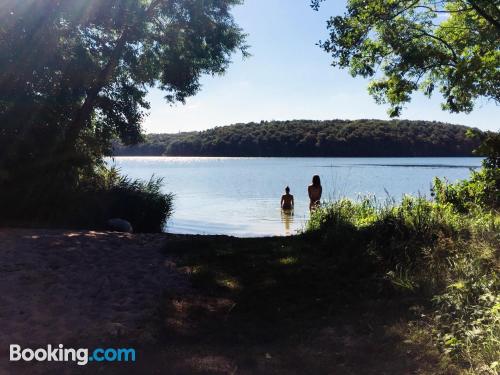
<point x="314" y="190"/>
<point x="287" y="200"/>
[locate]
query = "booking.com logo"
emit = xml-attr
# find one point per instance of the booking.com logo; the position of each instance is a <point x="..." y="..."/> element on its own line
<point x="80" y="356"/>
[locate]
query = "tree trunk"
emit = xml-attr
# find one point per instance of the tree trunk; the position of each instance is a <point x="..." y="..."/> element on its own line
<point x="85" y="112"/>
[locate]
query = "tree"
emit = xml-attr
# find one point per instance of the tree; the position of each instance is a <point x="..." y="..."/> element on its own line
<point x="410" y="45"/>
<point x="332" y="138"/>
<point x="74" y="74"/>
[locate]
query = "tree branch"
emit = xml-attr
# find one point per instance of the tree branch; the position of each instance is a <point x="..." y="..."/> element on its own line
<point x="484" y="14"/>
<point x="443" y="11"/>
<point x="442" y="41"/>
<point x="103" y="79"/>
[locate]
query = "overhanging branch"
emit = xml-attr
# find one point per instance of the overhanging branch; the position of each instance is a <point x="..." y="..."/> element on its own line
<point x="483" y="13"/>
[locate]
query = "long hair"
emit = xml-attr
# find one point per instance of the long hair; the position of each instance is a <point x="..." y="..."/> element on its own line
<point x="316" y="180"/>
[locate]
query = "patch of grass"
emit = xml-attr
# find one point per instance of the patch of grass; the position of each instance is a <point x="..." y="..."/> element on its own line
<point x="282" y="305"/>
<point x="433" y="250"/>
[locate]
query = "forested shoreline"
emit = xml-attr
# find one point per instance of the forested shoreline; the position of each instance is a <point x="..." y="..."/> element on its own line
<point x="296" y="138"/>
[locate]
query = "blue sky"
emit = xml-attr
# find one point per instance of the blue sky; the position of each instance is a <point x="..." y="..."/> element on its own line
<point x="289" y="77"/>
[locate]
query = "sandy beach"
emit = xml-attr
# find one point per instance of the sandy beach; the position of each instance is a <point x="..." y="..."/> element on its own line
<point x="80" y="288"/>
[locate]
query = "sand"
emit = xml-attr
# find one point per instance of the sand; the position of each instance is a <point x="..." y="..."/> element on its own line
<point x="81" y="287"/>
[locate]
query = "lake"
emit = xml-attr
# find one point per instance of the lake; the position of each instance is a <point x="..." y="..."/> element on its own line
<point x="241" y="196"/>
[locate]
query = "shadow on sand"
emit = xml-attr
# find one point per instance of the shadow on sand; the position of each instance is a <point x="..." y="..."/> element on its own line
<point x="274" y="306"/>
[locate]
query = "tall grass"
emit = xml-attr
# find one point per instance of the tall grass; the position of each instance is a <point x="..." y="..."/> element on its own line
<point x="435" y="250"/>
<point x="90" y="203"/>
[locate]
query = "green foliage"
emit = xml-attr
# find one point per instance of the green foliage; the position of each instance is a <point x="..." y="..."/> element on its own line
<point x="483" y="188"/>
<point x="314" y="138"/>
<point x="468" y="310"/>
<point x="76" y="72"/>
<point x="101" y="196"/>
<point x="142" y="203"/>
<point x="490" y="146"/>
<point x="74" y="75"/>
<point x="426" y="45"/>
<point x="444" y="251"/>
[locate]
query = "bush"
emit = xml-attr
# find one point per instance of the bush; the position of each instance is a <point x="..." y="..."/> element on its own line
<point x="482" y="189"/>
<point x="97" y="197"/>
<point x="444" y="251"/>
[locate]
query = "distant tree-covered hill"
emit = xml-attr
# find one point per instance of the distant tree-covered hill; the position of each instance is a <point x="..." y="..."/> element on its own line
<point x="313" y="138"/>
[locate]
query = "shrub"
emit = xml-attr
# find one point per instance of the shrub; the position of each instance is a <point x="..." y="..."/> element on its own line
<point x="481" y="189"/>
<point x="97" y="197"/>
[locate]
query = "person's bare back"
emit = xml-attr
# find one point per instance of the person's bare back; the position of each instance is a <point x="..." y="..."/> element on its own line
<point x="314" y="190"/>
<point x="287" y="200"/>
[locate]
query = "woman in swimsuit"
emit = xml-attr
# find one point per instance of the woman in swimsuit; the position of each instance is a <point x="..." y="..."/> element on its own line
<point x="314" y="190"/>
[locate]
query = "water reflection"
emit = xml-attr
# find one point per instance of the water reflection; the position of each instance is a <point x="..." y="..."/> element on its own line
<point x="287" y="219"/>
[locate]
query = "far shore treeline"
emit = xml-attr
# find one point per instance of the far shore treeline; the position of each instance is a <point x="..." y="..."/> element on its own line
<point x="333" y="138"/>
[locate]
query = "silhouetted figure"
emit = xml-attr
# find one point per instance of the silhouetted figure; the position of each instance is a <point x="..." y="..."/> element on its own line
<point x="287" y="200"/>
<point x="314" y="190"/>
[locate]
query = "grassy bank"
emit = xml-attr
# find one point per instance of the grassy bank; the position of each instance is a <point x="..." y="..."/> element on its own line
<point x="432" y="251"/>
<point x="368" y="288"/>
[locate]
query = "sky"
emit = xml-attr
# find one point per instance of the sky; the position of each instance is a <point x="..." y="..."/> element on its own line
<point x="289" y="77"/>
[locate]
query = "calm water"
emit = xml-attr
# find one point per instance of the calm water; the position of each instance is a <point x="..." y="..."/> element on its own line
<point x="241" y="196"/>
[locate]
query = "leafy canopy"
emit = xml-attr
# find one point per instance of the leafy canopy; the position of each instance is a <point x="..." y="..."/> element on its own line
<point x="74" y="73"/>
<point x="408" y="45"/>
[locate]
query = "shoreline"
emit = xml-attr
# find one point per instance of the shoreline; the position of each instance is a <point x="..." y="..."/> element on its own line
<point x="293" y="157"/>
